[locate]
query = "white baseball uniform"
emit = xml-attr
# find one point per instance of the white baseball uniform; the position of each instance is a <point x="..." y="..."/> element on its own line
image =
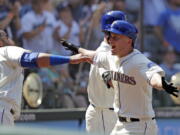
<point x="133" y="93"/>
<point x="11" y="80"/>
<point x="100" y="116"/>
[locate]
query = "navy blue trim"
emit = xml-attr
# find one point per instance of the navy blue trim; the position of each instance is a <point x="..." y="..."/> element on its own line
<point x="145" y="128"/>
<point x="119" y="71"/>
<point x="2" y="117"/>
<point x="103" y="121"/>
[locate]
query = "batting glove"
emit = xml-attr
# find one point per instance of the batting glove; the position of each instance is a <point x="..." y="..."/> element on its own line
<point x="69" y="46"/>
<point x="107" y="78"/>
<point x="169" y="88"/>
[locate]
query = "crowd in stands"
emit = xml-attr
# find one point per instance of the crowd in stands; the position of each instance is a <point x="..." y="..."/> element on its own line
<point x="38" y="25"/>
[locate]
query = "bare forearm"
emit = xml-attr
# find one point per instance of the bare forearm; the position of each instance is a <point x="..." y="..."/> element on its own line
<point x="30" y="35"/>
<point x="156" y="81"/>
<point x="17" y="23"/>
<point x="158" y="32"/>
<point x="87" y="52"/>
<point x="43" y="60"/>
<point x="4" y="23"/>
<point x="161" y="83"/>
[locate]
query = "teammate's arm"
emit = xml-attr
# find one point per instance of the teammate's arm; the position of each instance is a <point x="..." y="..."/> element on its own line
<point x="33" y="59"/>
<point x="159" y="82"/>
<point x="75" y="49"/>
<point x="156" y="81"/>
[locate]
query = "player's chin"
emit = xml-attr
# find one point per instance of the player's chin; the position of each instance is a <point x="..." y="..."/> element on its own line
<point x="113" y="52"/>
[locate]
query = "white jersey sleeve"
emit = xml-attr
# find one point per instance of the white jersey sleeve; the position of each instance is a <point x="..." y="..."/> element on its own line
<point x="147" y="68"/>
<point x="12" y="54"/>
<point x="101" y="59"/>
<point x="104" y="47"/>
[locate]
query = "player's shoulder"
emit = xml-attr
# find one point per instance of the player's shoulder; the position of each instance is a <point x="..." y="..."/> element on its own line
<point x="104" y="54"/>
<point x="11" y="49"/>
<point x="103" y="47"/>
<point x="139" y="58"/>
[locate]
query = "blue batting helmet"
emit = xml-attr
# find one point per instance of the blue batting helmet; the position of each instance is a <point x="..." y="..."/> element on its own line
<point x="124" y="28"/>
<point x="111" y="16"/>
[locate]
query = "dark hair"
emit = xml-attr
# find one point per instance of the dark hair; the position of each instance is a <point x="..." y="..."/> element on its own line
<point x="12" y="1"/>
<point x="62" y="5"/>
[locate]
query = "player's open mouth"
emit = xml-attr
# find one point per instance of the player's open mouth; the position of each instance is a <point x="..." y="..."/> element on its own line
<point x="113" y="49"/>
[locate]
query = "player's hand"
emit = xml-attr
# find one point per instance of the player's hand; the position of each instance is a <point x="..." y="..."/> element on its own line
<point x="169" y="88"/>
<point x="107" y="79"/>
<point x="78" y="58"/>
<point x="69" y="46"/>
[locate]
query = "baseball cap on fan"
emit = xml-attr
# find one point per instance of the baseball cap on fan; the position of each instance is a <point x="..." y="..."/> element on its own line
<point x="62" y="5"/>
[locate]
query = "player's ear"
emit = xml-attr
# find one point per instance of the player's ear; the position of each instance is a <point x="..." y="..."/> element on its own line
<point x="129" y="41"/>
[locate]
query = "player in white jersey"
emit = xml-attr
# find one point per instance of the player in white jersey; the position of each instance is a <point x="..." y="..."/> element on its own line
<point x="132" y="76"/>
<point x="12" y="62"/>
<point x="100" y="115"/>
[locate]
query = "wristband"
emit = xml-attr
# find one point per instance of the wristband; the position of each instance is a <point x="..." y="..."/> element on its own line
<point x="57" y="60"/>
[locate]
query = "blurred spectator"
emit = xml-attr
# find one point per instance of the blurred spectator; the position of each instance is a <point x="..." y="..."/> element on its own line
<point x="151" y="16"/>
<point x="60" y="90"/>
<point x="9" y="17"/>
<point x="76" y="7"/>
<point x="168" y="65"/>
<point x="151" y="42"/>
<point x="25" y="7"/>
<point x="119" y="5"/>
<point x="87" y="12"/>
<point x="49" y="6"/>
<point x="168" y="28"/>
<point x="94" y="33"/>
<point x="67" y="27"/>
<point x="131" y="8"/>
<point x="169" y="60"/>
<point x="49" y="80"/>
<point x="38" y="27"/>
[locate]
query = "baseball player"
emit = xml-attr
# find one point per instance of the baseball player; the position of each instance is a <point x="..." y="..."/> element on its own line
<point x="100" y="116"/>
<point x="12" y="62"/>
<point x="132" y="77"/>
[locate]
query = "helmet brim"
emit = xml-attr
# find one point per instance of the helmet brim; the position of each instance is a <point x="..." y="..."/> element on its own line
<point x="115" y="31"/>
<point x="112" y="30"/>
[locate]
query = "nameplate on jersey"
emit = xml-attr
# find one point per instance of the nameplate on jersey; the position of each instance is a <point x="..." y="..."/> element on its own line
<point x="120" y="77"/>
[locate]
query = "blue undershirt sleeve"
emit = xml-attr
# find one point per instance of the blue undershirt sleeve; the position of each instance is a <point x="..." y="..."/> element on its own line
<point x="29" y="59"/>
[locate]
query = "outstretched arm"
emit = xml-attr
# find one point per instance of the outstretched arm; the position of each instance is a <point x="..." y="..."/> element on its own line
<point x="32" y="59"/>
<point x="75" y="49"/>
<point x="159" y="82"/>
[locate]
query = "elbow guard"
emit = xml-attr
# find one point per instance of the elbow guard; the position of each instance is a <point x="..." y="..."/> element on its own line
<point x="29" y="59"/>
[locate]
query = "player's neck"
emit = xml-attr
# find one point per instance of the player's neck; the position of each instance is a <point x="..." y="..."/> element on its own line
<point x="125" y="53"/>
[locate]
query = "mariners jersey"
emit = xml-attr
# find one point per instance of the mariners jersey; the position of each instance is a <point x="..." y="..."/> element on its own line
<point x="98" y="93"/>
<point x="11" y="77"/>
<point x="131" y="75"/>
